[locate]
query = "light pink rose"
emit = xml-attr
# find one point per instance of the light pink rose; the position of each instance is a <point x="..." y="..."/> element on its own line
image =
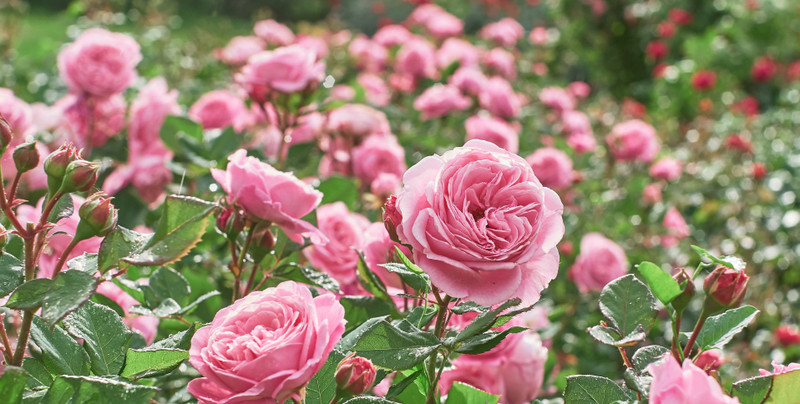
<point x="369" y="55"/>
<point x="375" y="89"/>
<point x="314" y="44"/>
<point x="385" y="185"/>
<point x="147" y="113"/>
<point x="103" y="117"/>
<point x="579" y="89"/>
<point x="599" y="262"/>
<point x="265" y="347"/>
<point x="404" y="83"/>
<point x="633" y="140"/>
<point x="147" y="326"/>
<point x="146" y="172"/>
<point x="342" y="92"/>
<point x="675" y="225"/>
<point x="501" y="62"/>
<point x="688" y="384"/>
<point x="538" y="36"/>
<point x="667" y="169"/>
<point x="552" y="167"/>
<point x="778" y="368"/>
<point x="308" y="127"/>
<point x="392" y="35"/>
<point x="493" y="130"/>
<point x="481" y="224"/>
<point x="377" y="155"/>
<point x="417" y="58"/>
<point x="505" y="32"/>
<point x="557" y="98"/>
<point x="457" y="50"/>
<point x="651" y="193"/>
<point x="345" y="232"/>
<point x="287" y="70"/>
<point x="99" y="63"/>
<point x="219" y="109"/>
<point x="378" y="250"/>
<point x="499" y="98"/>
<point x="45" y="117"/>
<point x="443" y="25"/>
<point x="274" y="33"/>
<point x="581" y="142"/>
<point x="358" y="120"/>
<point x="269" y="194"/>
<point x="440" y="100"/>
<point x="18" y="114"/>
<point x="576" y="122"/>
<point x="423" y="13"/>
<point x="469" y="80"/>
<point x="239" y="49"/>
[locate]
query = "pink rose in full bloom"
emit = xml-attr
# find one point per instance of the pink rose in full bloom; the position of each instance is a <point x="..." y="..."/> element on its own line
<point x="581" y="142"/>
<point x="667" y="169"/>
<point x="458" y="50"/>
<point x="557" y="98"/>
<point x="392" y="35"/>
<point x="345" y="232"/>
<point x="147" y="326"/>
<point x="505" y="32"/>
<point x="103" y="117"/>
<point x="385" y="185"/>
<point x="481" y="224"/>
<point x="538" y="36"/>
<point x="274" y="33"/>
<point x="440" y="100"/>
<point x="576" y="122"/>
<point x="286" y="70"/>
<point x="676" y="227"/>
<point x="579" y="89"/>
<point x="688" y="384"/>
<point x="375" y="89"/>
<point x="18" y="114"/>
<point x="778" y="368"/>
<point x="378" y="250"/>
<point x="501" y="62"/>
<point x="378" y="155"/>
<point x="444" y="24"/>
<point x="499" y="98"/>
<point x="599" y="262"/>
<point x="99" y="63"/>
<point x="314" y="44"/>
<point x="417" y="58"/>
<point x="370" y="56"/>
<point x="633" y="140"/>
<point x="651" y="193"/>
<point x="493" y="130"/>
<point x="219" y="109"/>
<point x="266" y="346"/>
<point x="269" y="194"/>
<point x="239" y="49"/>
<point x="552" y="167"/>
<point x="469" y="80"/>
<point x="358" y="121"/>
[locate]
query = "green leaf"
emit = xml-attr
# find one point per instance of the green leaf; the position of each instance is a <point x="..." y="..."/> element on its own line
<point x="485" y="342"/>
<point x="105" y="336"/>
<point x="467" y="307"/>
<point x="392" y="348"/>
<point x="166" y="283"/>
<point x="707" y="255"/>
<point x="407" y="262"/>
<point x="461" y="393"/>
<point x="131" y="287"/>
<point x="84" y="263"/>
<point x="39" y="375"/>
<point x="351" y="338"/>
<point x="609" y="336"/>
<point x="118" y="244"/>
<point x="322" y="387"/>
<point x="339" y="189"/>
<point x="12" y="384"/>
<point x="11" y="273"/>
<point x="93" y="389"/>
<point x="647" y="355"/>
<point x="784" y="388"/>
<point x="399" y="387"/>
<point x="294" y="272"/>
<point x="485" y="321"/>
<point x="368" y="400"/>
<point x="62" y="209"/>
<point x="720" y="329"/>
<point x="637" y="383"/>
<point x="421" y="316"/>
<point x="358" y="309"/>
<point x="663" y="286"/>
<point x="592" y="389"/>
<point x="183" y="222"/>
<point x="29" y="295"/>
<point x="627" y="303"/>
<point x="180" y="340"/>
<point x="68" y="291"/>
<point x="141" y="363"/>
<point x="753" y="390"/>
<point x="60" y="353"/>
<point x="202" y="298"/>
<point x="418" y="282"/>
<point x="370" y="281"/>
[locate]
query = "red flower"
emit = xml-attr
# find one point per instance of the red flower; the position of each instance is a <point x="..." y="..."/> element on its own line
<point x="759" y="170"/>
<point x="680" y="17"/>
<point x="704" y="80"/>
<point x="656" y="50"/>
<point x="725" y="288"/>
<point x="666" y="29"/>
<point x="763" y="69"/>
<point x="787" y="335"/>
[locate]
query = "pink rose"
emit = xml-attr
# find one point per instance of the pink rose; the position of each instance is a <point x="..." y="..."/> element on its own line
<point x="375" y="89"/>
<point x="552" y="167"/>
<point x="147" y="326"/>
<point x="633" y="140"/>
<point x="345" y="232"/>
<point x="147" y="113"/>
<point x="673" y="383"/>
<point x="99" y="63"/>
<point x="377" y="155"/>
<point x="457" y="50"/>
<point x="674" y="223"/>
<point x="501" y="62"/>
<point x="219" y="109"/>
<point x="493" y="130"/>
<point x="469" y="80"/>
<point x="385" y="185"/>
<point x="392" y="35"/>
<point x="499" y="98"/>
<point x="651" y="193"/>
<point x="417" y="58"/>
<point x="314" y="44"/>
<point x="440" y="100"/>
<point x="710" y="360"/>
<point x="599" y="262"/>
<point x="274" y="33"/>
<point x="269" y="194"/>
<point x="505" y="32"/>
<point x="579" y="89"/>
<point x="778" y="368"/>
<point x="581" y="142"/>
<point x="557" y="99"/>
<point x="103" y="117"/>
<point x="576" y="122"/>
<point x="444" y="24"/>
<point x="667" y="169"/>
<point x="308" y="127"/>
<point x="239" y="49"/>
<point x="146" y="172"/>
<point x="265" y="347"/>
<point x="369" y="55"/>
<point x="378" y="250"/>
<point x="17" y="113"/>
<point x="287" y="70"/>
<point x="481" y="224"/>
<point x="538" y="36"/>
<point x="358" y="121"/>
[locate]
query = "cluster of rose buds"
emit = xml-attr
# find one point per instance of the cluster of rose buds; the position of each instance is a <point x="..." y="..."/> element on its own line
<point x="68" y="172"/>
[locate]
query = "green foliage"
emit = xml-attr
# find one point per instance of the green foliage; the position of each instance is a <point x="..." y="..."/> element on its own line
<point x="592" y="389"/>
<point x="720" y="329"/>
<point x="629" y="307"/>
<point x="462" y="393"/>
<point x="663" y="286"/>
<point x="105" y="337"/>
<point x="393" y="348"/>
<point x="67" y="292"/>
<point x="61" y="355"/>
<point x="11" y="273"/>
<point x="142" y="363"/>
<point x="322" y="387"/>
<point x="93" y="389"/>
<point x="12" y="384"/>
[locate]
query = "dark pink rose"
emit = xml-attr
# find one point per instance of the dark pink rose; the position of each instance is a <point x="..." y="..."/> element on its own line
<point x="376" y="155"/>
<point x="481" y="224"/>
<point x="599" y="262"/>
<point x="99" y="63"/>
<point x="469" y="80"/>
<point x="274" y="33"/>
<point x="358" y="121"/>
<point x="667" y="169"/>
<point x="493" y="130"/>
<point x="417" y="58"/>
<point x="219" y="109"/>
<point x="392" y="35"/>
<point x="675" y="225"/>
<point x="633" y="140"/>
<point x="499" y="98"/>
<point x="103" y="117"/>
<point x="552" y="167"/>
<point x="239" y="49"/>
<point x="505" y="32"/>
<point x="673" y="383"/>
<point x="763" y="70"/>
<point x="440" y="100"/>
<point x="286" y="70"/>
<point x="710" y="360"/>
<point x="266" y="346"/>
<point x="268" y="194"/>
<point x="579" y="89"/>
<point x="501" y="62"/>
<point x="457" y="50"/>
<point x="345" y="232"/>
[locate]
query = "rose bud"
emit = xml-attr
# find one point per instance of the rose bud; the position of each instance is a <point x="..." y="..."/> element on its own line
<point x="6" y="134"/>
<point x="787" y="335"/>
<point x="391" y="217"/>
<point x="268" y="239"/>
<point x="80" y="176"/>
<point x="710" y="360"/>
<point x="26" y="157"/>
<point x="725" y="288"/>
<point x="681" y="301"/>
<point x="355" y="375"/>
<point x="98" y="216"/>
<point x="229" y="222"/>
<point x="55" y="166"/>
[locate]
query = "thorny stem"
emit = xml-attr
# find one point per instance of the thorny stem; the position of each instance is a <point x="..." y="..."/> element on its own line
<point x="14" y="185"/>
<point x="27" y="316"/>
<point x="695" y="333"/>
<point x="439" y="329"/>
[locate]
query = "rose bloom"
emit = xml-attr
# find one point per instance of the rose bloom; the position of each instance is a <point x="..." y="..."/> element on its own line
<point x="358" y="121"/>
<point x="314" y="44"/>
<point x="552" y="167"/>
<point x="778" y="368"/>
<point x="443" y="25"/>
<point x="17" y="113"/>
<point x="666" y="29"/>
<point x="787" y="335"/>
<point x="99" y="63"/>
<point x="345" y="232"/>
<point x="680" y="17"/>
<point x="417" y="58"/>
<point x="581" y="142"/>
<point x="557" y="99"/>
<point x="501" y="62"/>
<point x="505" y="32"/>
<point x="266" y="346"/>
<point x="342" y="92"/>
<point x="493" y="130"/>
<point x="633" y="140"/>
<point x="651" y="193"/>
<point x="599" y="262"/>
<point x="499" y="98"/>
<point x="468" y="80"/>
<point x="656" y="50"/>
<point x="538" y="36"/>
<point x="219" y="109"/>
<point x="105" y="117"/>
<point x="268" y="194"/>
<point x="274" y="33"/>
<point x="739" y="143"/>
<point x="703" y="80"/>
<point x="576" y="122"/>
<point x="375" y="89"/>
<point x="688" y="384"/>
<point x="239" y="49"/>
<point x="392" y="35"/>
<point x="457" y="50"/>
<point x="369" y="55"/>
<point x="385" y="185"/>
<point x="287" y="70"/>
<point x="378" y="250"/>
<point x="481" y="224"/>
<point x="377" y="155"/>
<point x="579" y="89"/>
<point x="667" y="169"/>
<point x="710" y="360"/>
<point x="440" y="100"/>
<point x="674" y="223"/>
<point x="763" y="69"/>
<point x="307" y="128"/>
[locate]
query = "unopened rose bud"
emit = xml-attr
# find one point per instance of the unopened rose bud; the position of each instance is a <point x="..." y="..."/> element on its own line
<point x="685" y="281"/>
<point x="98" y="216"/>
<point x="710" y="360"/>
<point x="229" y="222"/>
<point x="55" y="166"/>
<point x="392" y="217"/>
<point x="26" y="157"/>
<point x="268" y="239"/>
<point x="6" y="134"/>
<point x="725" y="288"/>
<point x="80" y="176"/>
<point x="787" y="335"/>
<point x="355" y="375"/>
